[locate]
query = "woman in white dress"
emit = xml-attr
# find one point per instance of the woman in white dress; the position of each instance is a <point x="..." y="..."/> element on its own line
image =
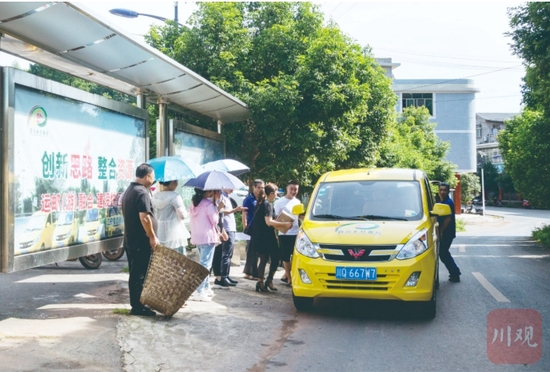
<point x="170" y="213"/>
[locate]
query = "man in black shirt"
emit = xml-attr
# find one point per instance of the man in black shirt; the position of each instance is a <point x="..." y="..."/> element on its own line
<point x="140" y="239"/>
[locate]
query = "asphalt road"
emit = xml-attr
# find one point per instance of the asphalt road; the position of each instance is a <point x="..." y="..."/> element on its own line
<point x="49" y="322"/>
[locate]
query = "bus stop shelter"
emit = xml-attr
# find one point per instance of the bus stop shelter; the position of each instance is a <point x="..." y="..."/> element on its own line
<point x="70" y="38"/>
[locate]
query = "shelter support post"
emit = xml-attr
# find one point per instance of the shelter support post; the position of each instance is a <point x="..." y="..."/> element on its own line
<point x="162" y="129"/>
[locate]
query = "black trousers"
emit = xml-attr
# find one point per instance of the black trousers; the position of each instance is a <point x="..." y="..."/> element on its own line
<point x="223" y="254"/>
<point x="446" y="258"/>
<point x="251" y="265"/>
<point x="275" y="256"/>
<point x="138" y="263"/>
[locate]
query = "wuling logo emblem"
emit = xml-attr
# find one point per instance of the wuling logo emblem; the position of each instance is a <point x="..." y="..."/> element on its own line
<point x="355" y="254"/>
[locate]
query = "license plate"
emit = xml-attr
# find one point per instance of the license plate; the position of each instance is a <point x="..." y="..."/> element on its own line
<point x="355" y="273"/>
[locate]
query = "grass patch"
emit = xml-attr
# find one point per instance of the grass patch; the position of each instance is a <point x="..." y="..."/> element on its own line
<point x="121" y="311"/>
<point x="125" y="270"/>
<point x="460" y="225"/>
<point x="542" y="235"/>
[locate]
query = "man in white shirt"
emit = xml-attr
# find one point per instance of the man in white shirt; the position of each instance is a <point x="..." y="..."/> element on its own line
<point x="287" y="240"/>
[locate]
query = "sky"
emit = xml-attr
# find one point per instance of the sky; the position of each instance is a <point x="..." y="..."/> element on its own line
<point x="431" y="40"/>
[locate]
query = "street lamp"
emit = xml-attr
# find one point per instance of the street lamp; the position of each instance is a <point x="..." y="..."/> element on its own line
<point x="127" y="13"/>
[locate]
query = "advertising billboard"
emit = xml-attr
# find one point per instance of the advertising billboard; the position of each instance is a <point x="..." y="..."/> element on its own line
<point x="74" y="154"/>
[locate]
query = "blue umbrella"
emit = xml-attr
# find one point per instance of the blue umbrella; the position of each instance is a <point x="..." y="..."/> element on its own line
<point x="234" y="167"/>
<point x="215" y="180"/>
<point x="173" y="168"/>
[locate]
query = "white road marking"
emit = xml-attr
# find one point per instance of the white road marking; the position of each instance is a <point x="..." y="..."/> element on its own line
<point x="490" y="288"/>
<point x="537" y="256"/>
<point x="462" y="248"/>
<point x="80" y="278"/>
<point x="487" y="245"/>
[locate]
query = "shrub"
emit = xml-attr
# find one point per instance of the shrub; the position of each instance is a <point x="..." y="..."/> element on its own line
<point x="542" y="235"/>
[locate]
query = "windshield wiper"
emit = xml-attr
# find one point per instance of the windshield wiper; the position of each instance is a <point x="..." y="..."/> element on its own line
<point x="378" y="217"/>
<point x="337" y="217"/>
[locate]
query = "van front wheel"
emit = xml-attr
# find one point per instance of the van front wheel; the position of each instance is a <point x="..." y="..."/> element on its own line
<point x="302" y="303"/>
<point x="427" y="310"/>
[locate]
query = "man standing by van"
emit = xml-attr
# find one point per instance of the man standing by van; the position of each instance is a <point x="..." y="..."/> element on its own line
<point x="287" y="240"/>
<point x="447" y="232"/>
<point x="140" y="237"/>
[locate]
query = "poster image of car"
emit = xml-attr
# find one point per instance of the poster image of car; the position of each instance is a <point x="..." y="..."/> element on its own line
<point x="73" y="161"/>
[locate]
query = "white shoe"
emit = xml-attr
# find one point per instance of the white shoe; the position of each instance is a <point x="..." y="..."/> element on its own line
<point x="202" y="297"/>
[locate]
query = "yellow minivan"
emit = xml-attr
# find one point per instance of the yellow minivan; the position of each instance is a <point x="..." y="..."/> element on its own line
<point x="371" y="234"/>
<point x="66" y="230"/>
<point x="38" y="232"/>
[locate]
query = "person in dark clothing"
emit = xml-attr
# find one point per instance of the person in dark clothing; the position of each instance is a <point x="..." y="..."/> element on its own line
<point x="447" y="232"/>
<point x="251" y="265"/>
<point x="140" y="239"/>
<point x="263" y="240"/>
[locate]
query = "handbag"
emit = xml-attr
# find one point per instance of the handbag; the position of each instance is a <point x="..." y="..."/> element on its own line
<point x="248" y="229"/>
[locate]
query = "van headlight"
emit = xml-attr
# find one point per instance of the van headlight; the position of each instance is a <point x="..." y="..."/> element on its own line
<point x="417" y="245"/>
<point x="305" y="246"/>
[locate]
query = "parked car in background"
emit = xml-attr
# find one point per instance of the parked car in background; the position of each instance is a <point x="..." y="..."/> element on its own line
<point x="239" y="195"/>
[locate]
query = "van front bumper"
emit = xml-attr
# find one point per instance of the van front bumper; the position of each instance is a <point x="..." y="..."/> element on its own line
<point x="389" y="284"/>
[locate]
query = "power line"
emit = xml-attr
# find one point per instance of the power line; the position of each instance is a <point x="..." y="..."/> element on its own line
<point x="440" y="56"/>
<point x="341" y="15"/>
<point x="453" y="65"/>
<point x="465" y="77"/>
<point x="340" y="3"/>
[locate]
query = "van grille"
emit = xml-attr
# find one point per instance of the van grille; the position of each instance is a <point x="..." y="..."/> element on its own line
<point x="357" y="253"/>
<point x="383" y="283"/>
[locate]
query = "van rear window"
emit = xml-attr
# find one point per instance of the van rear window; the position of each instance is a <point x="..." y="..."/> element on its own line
<point x="368" y="200"/>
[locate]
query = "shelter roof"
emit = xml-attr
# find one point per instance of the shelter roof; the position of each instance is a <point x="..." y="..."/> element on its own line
<point x="70" y="38"/>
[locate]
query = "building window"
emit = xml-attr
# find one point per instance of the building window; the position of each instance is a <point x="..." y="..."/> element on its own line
<point x="478" y="131"/>
<point x="417" y="100"/>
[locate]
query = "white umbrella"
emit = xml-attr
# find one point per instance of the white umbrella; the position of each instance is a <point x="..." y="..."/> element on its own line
<point x="234" y="167"/>
<point x="215" y="180"/>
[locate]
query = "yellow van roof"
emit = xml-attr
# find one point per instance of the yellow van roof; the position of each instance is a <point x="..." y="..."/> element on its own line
<point x="371" y="174"/>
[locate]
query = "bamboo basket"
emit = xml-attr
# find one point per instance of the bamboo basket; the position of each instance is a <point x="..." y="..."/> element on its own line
<point x="171" y="279"/>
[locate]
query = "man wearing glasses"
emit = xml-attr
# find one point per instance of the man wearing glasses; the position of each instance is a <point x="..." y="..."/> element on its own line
<point x="251" y="265"/>
<point x="140" y="238"/>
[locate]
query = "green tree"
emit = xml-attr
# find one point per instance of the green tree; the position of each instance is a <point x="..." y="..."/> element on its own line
<point x="525" y="142"/>
<point x="318" y="101"/>
<point x="412" y="143"/>
<point x="469" y="186"/>
<point x="525" y="145"/>
<point x="530" y="23"/>
<point x="490" y="178"/>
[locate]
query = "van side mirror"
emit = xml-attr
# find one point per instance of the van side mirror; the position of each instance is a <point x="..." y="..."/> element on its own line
<point x="441" y="209"/>
<point x="298" y="209"/>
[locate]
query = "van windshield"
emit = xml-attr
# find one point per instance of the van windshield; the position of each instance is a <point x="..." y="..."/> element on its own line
<point x="368" y="200"/>
<point x="65" y="218"/>
<point x="92" y="215"/>
<point x="36" y="223"/>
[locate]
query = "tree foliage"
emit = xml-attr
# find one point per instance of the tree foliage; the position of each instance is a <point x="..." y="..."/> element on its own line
<point x="530" y="35"/>
<point x="412" y="143"/>
<point x="490" y="178"/>
<point x="318" y="101"/>
<point x="525" y="145"/>
<point x="526" y="141"/>
<point x="470" y="187"/>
